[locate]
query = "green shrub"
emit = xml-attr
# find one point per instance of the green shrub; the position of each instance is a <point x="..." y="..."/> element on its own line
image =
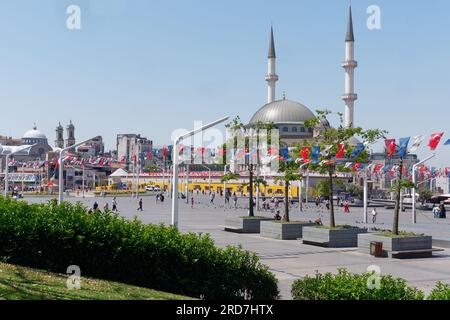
<point x="104" y="245"/>
<point x="348" y="286"/>
<point x="440" y="292"/>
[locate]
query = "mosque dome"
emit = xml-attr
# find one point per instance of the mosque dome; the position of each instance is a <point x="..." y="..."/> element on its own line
<point x="282" y="112"/>
<point x="34" y="136"/>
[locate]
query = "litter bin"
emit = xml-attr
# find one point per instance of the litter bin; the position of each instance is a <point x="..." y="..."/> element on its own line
<point x="376" y="248"/>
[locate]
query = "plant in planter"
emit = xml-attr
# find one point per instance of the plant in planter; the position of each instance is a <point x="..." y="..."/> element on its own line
<point x="396" y="243"/>
<point x="245" y="144"/>
<point x="327" y="154"/>
<point x="285" y="229"/>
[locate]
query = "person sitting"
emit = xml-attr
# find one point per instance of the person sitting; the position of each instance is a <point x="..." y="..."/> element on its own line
<point x="277" y="215"/>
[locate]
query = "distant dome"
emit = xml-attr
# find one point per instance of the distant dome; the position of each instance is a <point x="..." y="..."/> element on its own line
<point x="34" y="134"/>
<point x="282" y="112"/>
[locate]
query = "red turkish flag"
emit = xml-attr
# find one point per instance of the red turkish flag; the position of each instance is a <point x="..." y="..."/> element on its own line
<point x="305" y="152"/>
<point x="340" y="153"/>
<point x="356" y="166"/>
<point x="122" y="159"/>
<point x="391" y="148"/>
<point x="164" y="152"/>
<point x="377" y="168"/>
<point x="434" y="140"/>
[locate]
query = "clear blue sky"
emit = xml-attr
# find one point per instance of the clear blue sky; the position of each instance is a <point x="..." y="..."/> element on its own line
<point x="152" y="66"/>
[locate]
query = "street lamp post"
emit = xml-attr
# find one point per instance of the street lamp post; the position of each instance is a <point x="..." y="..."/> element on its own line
<point x="225" y="182"/>
<point x="187" y="182"/>
<point x="413" y="215"/>
<point x="175" y="165"/>
<point x="61" y="167"/>
<point x="300" y="191"/>
<point x="7" y="166"/>
<point x="365" y="197"/>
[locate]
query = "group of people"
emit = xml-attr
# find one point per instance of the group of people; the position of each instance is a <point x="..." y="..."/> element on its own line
<point x="439" y="212"/>
<point x="105" y="206"/>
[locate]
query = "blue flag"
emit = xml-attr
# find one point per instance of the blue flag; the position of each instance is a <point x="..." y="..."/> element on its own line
<point x="403" y="147"/>
<point x="284" y="152"/>
<point x="315" y="154"/>
<point x="359" y="148"/>
<point x="447" y="142"/>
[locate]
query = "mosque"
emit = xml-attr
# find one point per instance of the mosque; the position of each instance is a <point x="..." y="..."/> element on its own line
<point x="289" y="116"/>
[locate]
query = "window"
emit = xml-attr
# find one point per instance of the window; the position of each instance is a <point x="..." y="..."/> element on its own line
<point x="310" y="130"/>
<point x="294" y="129"/>
<point x="285" y="129"/>
<point x="302" y="129"/>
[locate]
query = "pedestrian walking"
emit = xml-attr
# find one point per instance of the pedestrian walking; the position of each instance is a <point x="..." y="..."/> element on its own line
<point x="235" y="200"/>
<point x="374" y="215"/>
<point x="346" y="207"/>
<point x="106" y="207"/>
<point x="192" y="202"/>
<point x="114" y="204"/>
<point x="95" y="206"/>
<point x="140" y="205"/>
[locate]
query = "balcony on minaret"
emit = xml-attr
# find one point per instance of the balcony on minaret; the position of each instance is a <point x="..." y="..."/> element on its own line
<point x="271" y="77"/>
<point x="349" y="97"/>
<point x="349" y="64"/>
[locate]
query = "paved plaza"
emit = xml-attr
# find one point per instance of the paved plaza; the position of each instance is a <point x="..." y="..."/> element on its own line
<point x="290" y="260"/>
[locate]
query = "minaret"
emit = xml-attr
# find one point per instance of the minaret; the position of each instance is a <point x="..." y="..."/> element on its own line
<point x="70" y="141"/>
<point x="271" y="77"/>
<point x="59" y="142"/>
<point x="349" y="65"/>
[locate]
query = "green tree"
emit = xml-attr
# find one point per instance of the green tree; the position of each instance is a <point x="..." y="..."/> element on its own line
<point x="425" y="194"/>
<point x="248" y="132"/>
<point x="329" y="139"/>
<point x="290" y="172"/>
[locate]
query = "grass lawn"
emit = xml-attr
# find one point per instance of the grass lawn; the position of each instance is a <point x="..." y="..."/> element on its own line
<point x="21" y="283"/>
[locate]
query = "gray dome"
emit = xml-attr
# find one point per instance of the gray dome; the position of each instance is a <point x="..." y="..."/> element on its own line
<point x="282" y="111"/>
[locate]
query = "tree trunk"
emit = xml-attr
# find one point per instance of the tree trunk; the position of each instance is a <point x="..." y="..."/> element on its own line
<point x="397" y="198"/>
<point x="330" y="200"/>
<point x="250" y="198"/>
<point x="286" y="201"/>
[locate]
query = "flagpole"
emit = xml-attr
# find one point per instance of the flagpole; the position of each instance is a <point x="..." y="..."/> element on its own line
<point x="83" y="181"/>
<point x="413" y="211"/>
<point x="138" y="160"/>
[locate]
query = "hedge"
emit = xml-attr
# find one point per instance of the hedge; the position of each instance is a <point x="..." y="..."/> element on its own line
<point x="104" y="245"/>
<point x="348" y="286"/>
<point x="440" y="292"/>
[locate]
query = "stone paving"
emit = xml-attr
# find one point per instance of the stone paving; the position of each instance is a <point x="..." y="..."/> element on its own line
<point x="290" y="260"/>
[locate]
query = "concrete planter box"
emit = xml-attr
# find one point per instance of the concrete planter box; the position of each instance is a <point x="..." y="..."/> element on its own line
<point x="283" y="231"/>
<point x="394" y="246"/>
<point x="244" y="225"/>
<point x="332" y="238"/>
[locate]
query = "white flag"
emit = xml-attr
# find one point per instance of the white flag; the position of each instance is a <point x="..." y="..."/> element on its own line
<point x="326" y="151"/>
<point x="416" y="144"/>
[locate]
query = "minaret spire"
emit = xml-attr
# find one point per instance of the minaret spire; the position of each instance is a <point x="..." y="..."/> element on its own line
<point x="349" y="66"/>
<point x="271" y="76"/>
<point x="349" y="35"/>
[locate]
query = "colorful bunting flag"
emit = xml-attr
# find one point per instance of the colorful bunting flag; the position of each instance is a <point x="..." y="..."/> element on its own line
<point x="434" y="140"/>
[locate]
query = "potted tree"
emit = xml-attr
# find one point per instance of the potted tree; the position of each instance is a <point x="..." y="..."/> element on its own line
<point x="333" y="151"/>
<point x="285" y="229"/>
<point x="396" y="243"/>
<point x="242" y="144"/>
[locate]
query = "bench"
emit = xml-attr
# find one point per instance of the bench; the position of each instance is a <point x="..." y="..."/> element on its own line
<point x="421" y="253"/>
